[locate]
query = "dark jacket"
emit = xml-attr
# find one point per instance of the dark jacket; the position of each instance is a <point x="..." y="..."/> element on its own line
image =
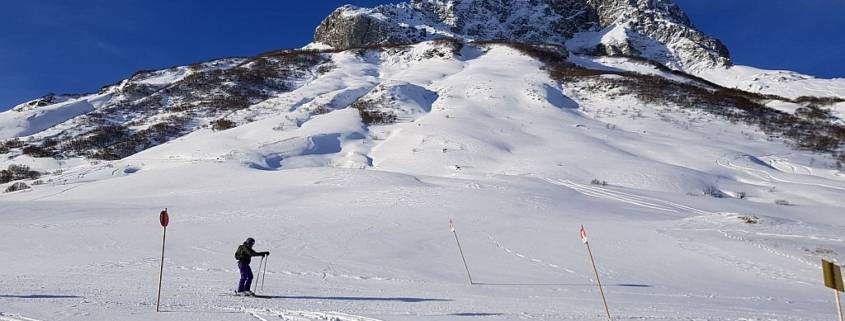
<point x="245" y="253"/>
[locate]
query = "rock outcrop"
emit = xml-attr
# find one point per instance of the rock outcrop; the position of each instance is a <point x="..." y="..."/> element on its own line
<point x="653" y="29"/>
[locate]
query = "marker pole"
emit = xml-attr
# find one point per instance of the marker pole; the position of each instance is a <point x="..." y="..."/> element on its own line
<point x="583" y="234"/>
<point x="461" y="250"/>
<point x="161" y="271"/>
<point x="164" y="219"/>
<point x="598" y="280"/>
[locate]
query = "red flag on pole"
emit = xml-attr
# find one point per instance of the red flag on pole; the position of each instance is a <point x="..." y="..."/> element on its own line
<point x="163" y="218"/>
<point x="583" y="234"/>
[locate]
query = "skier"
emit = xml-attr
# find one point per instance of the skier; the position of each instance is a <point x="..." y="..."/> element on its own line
<point x="244" y="256"/>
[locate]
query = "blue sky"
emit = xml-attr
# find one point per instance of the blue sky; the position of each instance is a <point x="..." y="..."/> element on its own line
<point x="74" y="46"/>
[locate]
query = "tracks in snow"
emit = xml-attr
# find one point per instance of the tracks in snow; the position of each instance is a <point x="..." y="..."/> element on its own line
<point x="765" y="176"/>
<point x="525" y="257"/>
<point x="14" y="317"/>
<point x="637" y="200"/>
<point x="290" y="315"/>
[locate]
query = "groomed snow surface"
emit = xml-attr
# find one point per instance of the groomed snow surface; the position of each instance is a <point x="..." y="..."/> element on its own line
<point x="356" y="216"/>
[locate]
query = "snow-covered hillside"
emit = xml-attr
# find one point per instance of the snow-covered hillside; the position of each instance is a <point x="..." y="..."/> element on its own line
<point x="702" y="202"/>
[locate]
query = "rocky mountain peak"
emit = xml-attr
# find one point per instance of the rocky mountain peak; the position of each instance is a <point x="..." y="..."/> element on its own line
<point x="653" y="29"/>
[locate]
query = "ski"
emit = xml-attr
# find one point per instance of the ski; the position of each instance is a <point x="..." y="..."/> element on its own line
<point x="237" y="295"/>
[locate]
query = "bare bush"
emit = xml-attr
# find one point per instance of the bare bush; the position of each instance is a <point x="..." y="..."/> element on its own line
<point x="18" y="186"/>
<point x="749" y="219"/>
<point x="17" y="172"/>
<point x="39" y="151"/>
<point x="819" y="101"/>
<point x="598" y="182"/>
<point x="222" y="124"/>
<point x="13" y="143"/>
<point x="713" y="191"/>
<point x="444" y="47"/>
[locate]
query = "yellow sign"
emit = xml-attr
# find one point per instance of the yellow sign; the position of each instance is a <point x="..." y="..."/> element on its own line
<point x="832" y="276"/>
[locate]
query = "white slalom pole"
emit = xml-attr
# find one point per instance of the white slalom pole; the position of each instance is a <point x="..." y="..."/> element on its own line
<point x="457" y="240"/>
<point x="583" y="233"/>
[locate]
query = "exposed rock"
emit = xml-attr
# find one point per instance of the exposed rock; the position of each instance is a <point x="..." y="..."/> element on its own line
<point x="345" y="29"/>
<point x="663" y="22"/>
<point x="654" y="29"/>
<point x="533" y="21"/>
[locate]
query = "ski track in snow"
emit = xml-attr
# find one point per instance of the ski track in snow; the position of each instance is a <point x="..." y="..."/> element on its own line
<point x="289" y="315"/>
<point x="15" y="317"/>
<point x="779" y="161"/>
<point x="642" y="201"/>
<point x="730" y="163"/>
<point x="325" y="275"/>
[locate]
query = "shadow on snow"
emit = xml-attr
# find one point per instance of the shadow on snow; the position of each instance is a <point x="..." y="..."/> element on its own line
<point x="565" y="284"/>
<point x="38" y="296"/>
<point x="354" y="298"/>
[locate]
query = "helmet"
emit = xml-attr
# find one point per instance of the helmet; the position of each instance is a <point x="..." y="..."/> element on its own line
<point x="250" y="241"/>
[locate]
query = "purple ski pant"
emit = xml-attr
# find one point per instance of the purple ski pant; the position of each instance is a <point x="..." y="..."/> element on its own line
<point x="246" y="277"/>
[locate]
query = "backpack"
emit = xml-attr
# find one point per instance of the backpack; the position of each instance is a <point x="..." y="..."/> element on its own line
<point x="239" y="254"/>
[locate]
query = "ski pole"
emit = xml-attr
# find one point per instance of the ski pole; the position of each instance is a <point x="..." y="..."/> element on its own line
<point x="264" y="277"/>
<point x="262" y="271"/>
<point x="259" y="274"/>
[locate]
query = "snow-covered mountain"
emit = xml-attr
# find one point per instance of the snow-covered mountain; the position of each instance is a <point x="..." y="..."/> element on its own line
<point x="710" y="191"/>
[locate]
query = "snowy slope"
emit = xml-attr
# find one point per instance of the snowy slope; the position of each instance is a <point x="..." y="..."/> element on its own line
<point x="355" y="212"/>
<point x="786" y="84"/>
<point x="778" y="82"/>
<point x="17" y="123"/>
